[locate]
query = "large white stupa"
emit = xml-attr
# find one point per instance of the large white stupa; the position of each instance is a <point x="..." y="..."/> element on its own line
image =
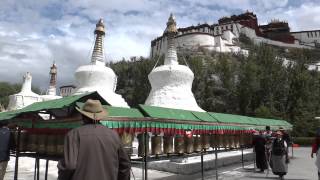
<point x="25" y="97"/>
<point x="171" y="83"/>
<point x="96" y="76"/>
<point x="52" y="90"/>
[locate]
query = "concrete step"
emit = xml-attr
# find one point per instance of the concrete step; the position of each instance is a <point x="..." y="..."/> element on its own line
<point x="192" y="165"/>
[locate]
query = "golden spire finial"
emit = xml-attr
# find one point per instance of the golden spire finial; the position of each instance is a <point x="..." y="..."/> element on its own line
<point x="53" y="74"/>
<point x="100" y="27"/>
<point x="97" y="54"/>
<point x="171" y="25"/>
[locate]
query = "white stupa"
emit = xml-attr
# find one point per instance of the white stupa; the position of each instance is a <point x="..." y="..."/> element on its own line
<point x="96" y="76"/>
<point x="52" y="91"/>
<point x="25" y="97"/>
<point x="171" y="83"/>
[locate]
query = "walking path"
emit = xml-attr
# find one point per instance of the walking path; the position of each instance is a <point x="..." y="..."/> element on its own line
<point x="301" y="167"/>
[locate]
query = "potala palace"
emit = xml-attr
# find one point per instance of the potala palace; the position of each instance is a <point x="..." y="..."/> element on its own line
<point x="221" y="37"/>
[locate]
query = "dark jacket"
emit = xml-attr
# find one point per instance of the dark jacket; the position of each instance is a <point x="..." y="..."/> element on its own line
<point x="260" y="143"/>
<point x="4" y="144"/>
<point x="93" y="152"/>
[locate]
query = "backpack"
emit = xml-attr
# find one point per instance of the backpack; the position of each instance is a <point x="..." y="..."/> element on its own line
<point x="278" y="148"/>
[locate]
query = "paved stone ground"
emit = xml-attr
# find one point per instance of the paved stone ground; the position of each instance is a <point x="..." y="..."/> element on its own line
<point x="301" y="167"/>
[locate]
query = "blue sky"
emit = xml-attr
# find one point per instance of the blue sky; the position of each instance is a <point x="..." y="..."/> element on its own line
<point x="34" y="33"/>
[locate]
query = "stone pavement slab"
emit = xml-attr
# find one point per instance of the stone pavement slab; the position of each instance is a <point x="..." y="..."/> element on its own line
<point x="301" y="167"/>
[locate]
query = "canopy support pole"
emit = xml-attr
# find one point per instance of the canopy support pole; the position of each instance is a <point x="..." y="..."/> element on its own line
<point x="145" y="155"/>
<point x="216" y="162"/>
<point x="202" y="171"/>
<point x="242" y="158"/>
<point x="16" y="166"/>
<point x="46" y="172"/>
<point x="38" y="167"/>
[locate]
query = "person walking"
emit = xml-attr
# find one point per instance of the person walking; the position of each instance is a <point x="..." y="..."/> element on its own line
<point x="279" y="156"/>
<point x="93" y="151"/>
<point x="260" y="149"/>
<point x="4" y="148"/>
<point x="286" y="137"/>
<point x="268" y="135"/>
<point x="315" y="150"/>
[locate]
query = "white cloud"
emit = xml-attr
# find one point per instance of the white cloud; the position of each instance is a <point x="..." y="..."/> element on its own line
<point x="33" y="34"/>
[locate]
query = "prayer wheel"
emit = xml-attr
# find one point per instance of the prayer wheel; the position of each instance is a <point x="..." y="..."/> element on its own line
<point x="179" y="144"/>
<point x="221" y="140"/>
<point x="42" y="142"/>
<point x="248" y="139"/>
<point x="197" y="143"/>
<point x="60" y="143"/>
<point x="126" y="139"/>
<point x="156" y="142"/>
<point x="32" y="142"/>
<point x="188" y="144"/>
<point x="141" y="147"/>
<point x="242" y="143"/>
<point x="168" y="144"/>
<point x="225" y="141"/>
<point x="214" y="141"/>
<point x="231" y="141"/>
<point x="51" y="148"/>
<point x="23" y="140"/>
<point x="237" y="140"/>
<point x="205" y="141"/>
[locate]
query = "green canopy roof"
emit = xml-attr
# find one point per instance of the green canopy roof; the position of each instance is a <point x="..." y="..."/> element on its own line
<point x="218" y="120"/>
<point x="167" y="113"/>
<point x="204" y="116"/>
<point x="50" y="105"/>
<point x="119" y="111"/>
<point x="59" y="103"/>
<point x="231" y="118"/>
<point x="272" y="122"/>
<point x="7" y="115"/>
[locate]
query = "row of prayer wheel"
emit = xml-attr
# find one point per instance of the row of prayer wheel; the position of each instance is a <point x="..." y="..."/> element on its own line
<point x="46" y="144"/>
<point x="52" y="144"/>
<point x="184" y="144"/>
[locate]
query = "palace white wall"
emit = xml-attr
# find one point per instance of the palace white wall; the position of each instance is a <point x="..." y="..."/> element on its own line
<point x="221" y="43"/>
<point x="308" y="37"/>
<point x="195" y="39"/>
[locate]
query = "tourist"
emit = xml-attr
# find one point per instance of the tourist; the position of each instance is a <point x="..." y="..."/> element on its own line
<point x="269" y="138"/>
<point x="279" y="156"/>
<point x="268" y="132"/>
<point x="285" y="136"/>
<point x="260" y="149"/>
<point x="4" y="148"/>
<point x="315" y="149"/>
<point x="93" y="151"/>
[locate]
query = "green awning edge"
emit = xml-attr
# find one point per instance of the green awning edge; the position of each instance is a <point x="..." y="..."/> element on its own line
<point x="167" y="113"/>
<point x="119" y="111"/>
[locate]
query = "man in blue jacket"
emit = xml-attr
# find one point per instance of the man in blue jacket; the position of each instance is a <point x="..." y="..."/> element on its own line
<point x="4" y="148"/>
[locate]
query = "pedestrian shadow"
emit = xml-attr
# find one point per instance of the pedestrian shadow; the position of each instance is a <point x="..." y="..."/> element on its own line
<point x="263" y="177"/>
<point x="249" y="170"/>
<point x="273" y="177"/>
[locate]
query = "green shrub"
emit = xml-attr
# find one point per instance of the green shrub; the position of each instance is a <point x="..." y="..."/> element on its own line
<point x="303" y="141"/>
